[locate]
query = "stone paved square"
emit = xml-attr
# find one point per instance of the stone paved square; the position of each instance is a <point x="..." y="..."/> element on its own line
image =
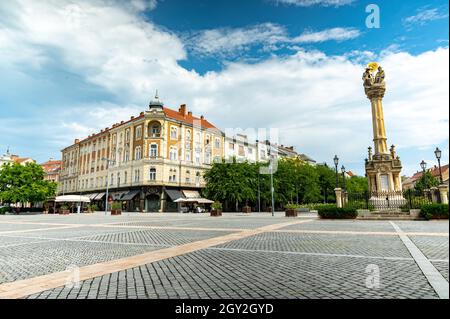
<point x="263" y="258"/>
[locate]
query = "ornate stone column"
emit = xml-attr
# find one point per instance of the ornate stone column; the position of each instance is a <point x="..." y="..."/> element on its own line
<point x="384" y="162"/>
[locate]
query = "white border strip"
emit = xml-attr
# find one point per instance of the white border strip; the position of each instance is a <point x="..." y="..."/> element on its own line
<point x="434" y="277"/>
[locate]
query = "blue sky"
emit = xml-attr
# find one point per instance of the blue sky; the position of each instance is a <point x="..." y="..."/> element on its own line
<point x="70" y="68"/>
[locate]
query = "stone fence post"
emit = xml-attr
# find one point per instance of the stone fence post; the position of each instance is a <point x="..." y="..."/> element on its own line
<point x="444" y="193"/>
<point x="434" y="194"/>
<point x="338" y="192"/>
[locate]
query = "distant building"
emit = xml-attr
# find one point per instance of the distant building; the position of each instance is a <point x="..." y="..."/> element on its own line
<point x="9" y="158"/>
<point x="6" y="159"/>
<point x="52" y="169"/>
<point x="22" y="160"/>
<point x="241" y="148"/>
<point x="410" y="182"/>
<point x="155" y="159"/>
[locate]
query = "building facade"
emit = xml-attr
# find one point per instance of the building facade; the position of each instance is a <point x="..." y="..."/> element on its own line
<point x="147" y="162"/>
<point x="52" y="170"/>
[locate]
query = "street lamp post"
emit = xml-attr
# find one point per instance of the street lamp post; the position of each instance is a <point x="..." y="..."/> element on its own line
<point x="336" y="162"/>
<point x="271" y="185"/>
<point x="343" y="176"/>
<point x="259" y="194"/>
<point x="108" y="162"/>
<point x="423" y="165"/>
<point x="438" y="154"/>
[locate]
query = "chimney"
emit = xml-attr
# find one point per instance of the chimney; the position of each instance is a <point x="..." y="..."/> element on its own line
<point x="182" y="109"/>
<point x="202" y="117"/>
<point x="121" y="122"/>
<point x="132" y="118"/>
<point x="76" y="141"/>
<point x="189" y="113"/>
<point x="141" y="114"/>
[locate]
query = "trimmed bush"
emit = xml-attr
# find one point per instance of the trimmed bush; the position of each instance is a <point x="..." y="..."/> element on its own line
<point x="116" y="206"/>
<point x="331" y="211"/>
<point x="217" y="205"/>
<point x="4" y="210"/>
<point x="434" y="211"/>
<point x="291" y="206"/>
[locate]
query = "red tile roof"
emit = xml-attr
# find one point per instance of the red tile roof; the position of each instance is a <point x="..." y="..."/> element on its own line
<point x="170" y="113"/>
<point x="434" y="171"/>
<point x="188" y="118"/>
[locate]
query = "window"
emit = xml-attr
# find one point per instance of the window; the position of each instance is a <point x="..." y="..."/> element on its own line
<point x="153" y="150"/>
<point x="250" y="150"/>
<point x="125" y="177"/>
<point x="138" y="153"/>
<point x="197" y="157"/>
<point x="136" y="175"/>
<point x="217" y="144"/>
<point x="262" y="154"/>
<point x="173" y="154"/>
<point x="138" y="135"/>
<point x="188" y="135"/>
<point x="173" y="132"/>
<point x="207" y="140"/>
<point x="241" y="150"/>
<point x="154" y="129"/>
<point x="208" y="158"/>
<point x="127" y="135"/>
<point x="188" y="156"/>
<point x="152" y="175"/>
<point x="118" y="179"/>
<point x="197" y="178"/>
<point x="231" y="146"/>
<point x="127" y="156"/>
<point x="112" y="180"/>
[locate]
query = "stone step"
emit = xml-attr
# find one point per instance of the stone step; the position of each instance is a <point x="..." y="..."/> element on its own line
<point x="377" y="217"/>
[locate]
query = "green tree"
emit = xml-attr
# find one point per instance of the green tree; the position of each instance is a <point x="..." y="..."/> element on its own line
<point x="426" y="182"/>
<point x="24" y="184"/>
<point x="234" y="182"/>
<point x="327" y="182"/>
<point x="357" y="184"/>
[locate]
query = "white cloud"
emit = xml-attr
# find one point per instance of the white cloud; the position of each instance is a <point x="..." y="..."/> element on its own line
<point x="424" y="16"/>
<point x="232" y="41"/>
<point x="315" y="99"/>
<point x="309" y="3"/>
<point x="228" y="40"/>
<point x="336" y="34"/>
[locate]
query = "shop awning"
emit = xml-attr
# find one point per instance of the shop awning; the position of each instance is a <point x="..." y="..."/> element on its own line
<point x="117" y="195"/>
<point x="174" y="194"/>
<point x="99" y="196"/>
<point x="130" y="195"/>
<point x="92" y="196"/>
<point x="194" y="200"/>
<point x="72" y="199"/>
<point x="191" y="194"/>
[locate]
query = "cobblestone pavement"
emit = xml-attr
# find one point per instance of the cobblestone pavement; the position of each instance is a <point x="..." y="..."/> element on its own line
<point x="281" y="263"/>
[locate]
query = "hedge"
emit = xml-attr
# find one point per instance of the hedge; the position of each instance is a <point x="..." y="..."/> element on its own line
<point x="434" y="211"/>
<point x="332" y="211"/>
<point x="4" y="210"/>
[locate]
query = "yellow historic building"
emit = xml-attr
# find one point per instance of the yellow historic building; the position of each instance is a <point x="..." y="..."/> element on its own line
<point x="148" y="161"/>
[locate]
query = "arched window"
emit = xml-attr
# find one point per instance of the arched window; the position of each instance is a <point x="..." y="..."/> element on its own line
<point x="197" y="178"/>
<point x="173" y="132"/>
<point x="173" y="154"/>
<point x="153" y="152"/>
<point x="152" y="175"/>
<point x="137" y="153"/>
<point x="138" y="133"/>
<point x="154" y="129"/>
<point x="125" y="177"/>
<point x="188" y="135"/>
